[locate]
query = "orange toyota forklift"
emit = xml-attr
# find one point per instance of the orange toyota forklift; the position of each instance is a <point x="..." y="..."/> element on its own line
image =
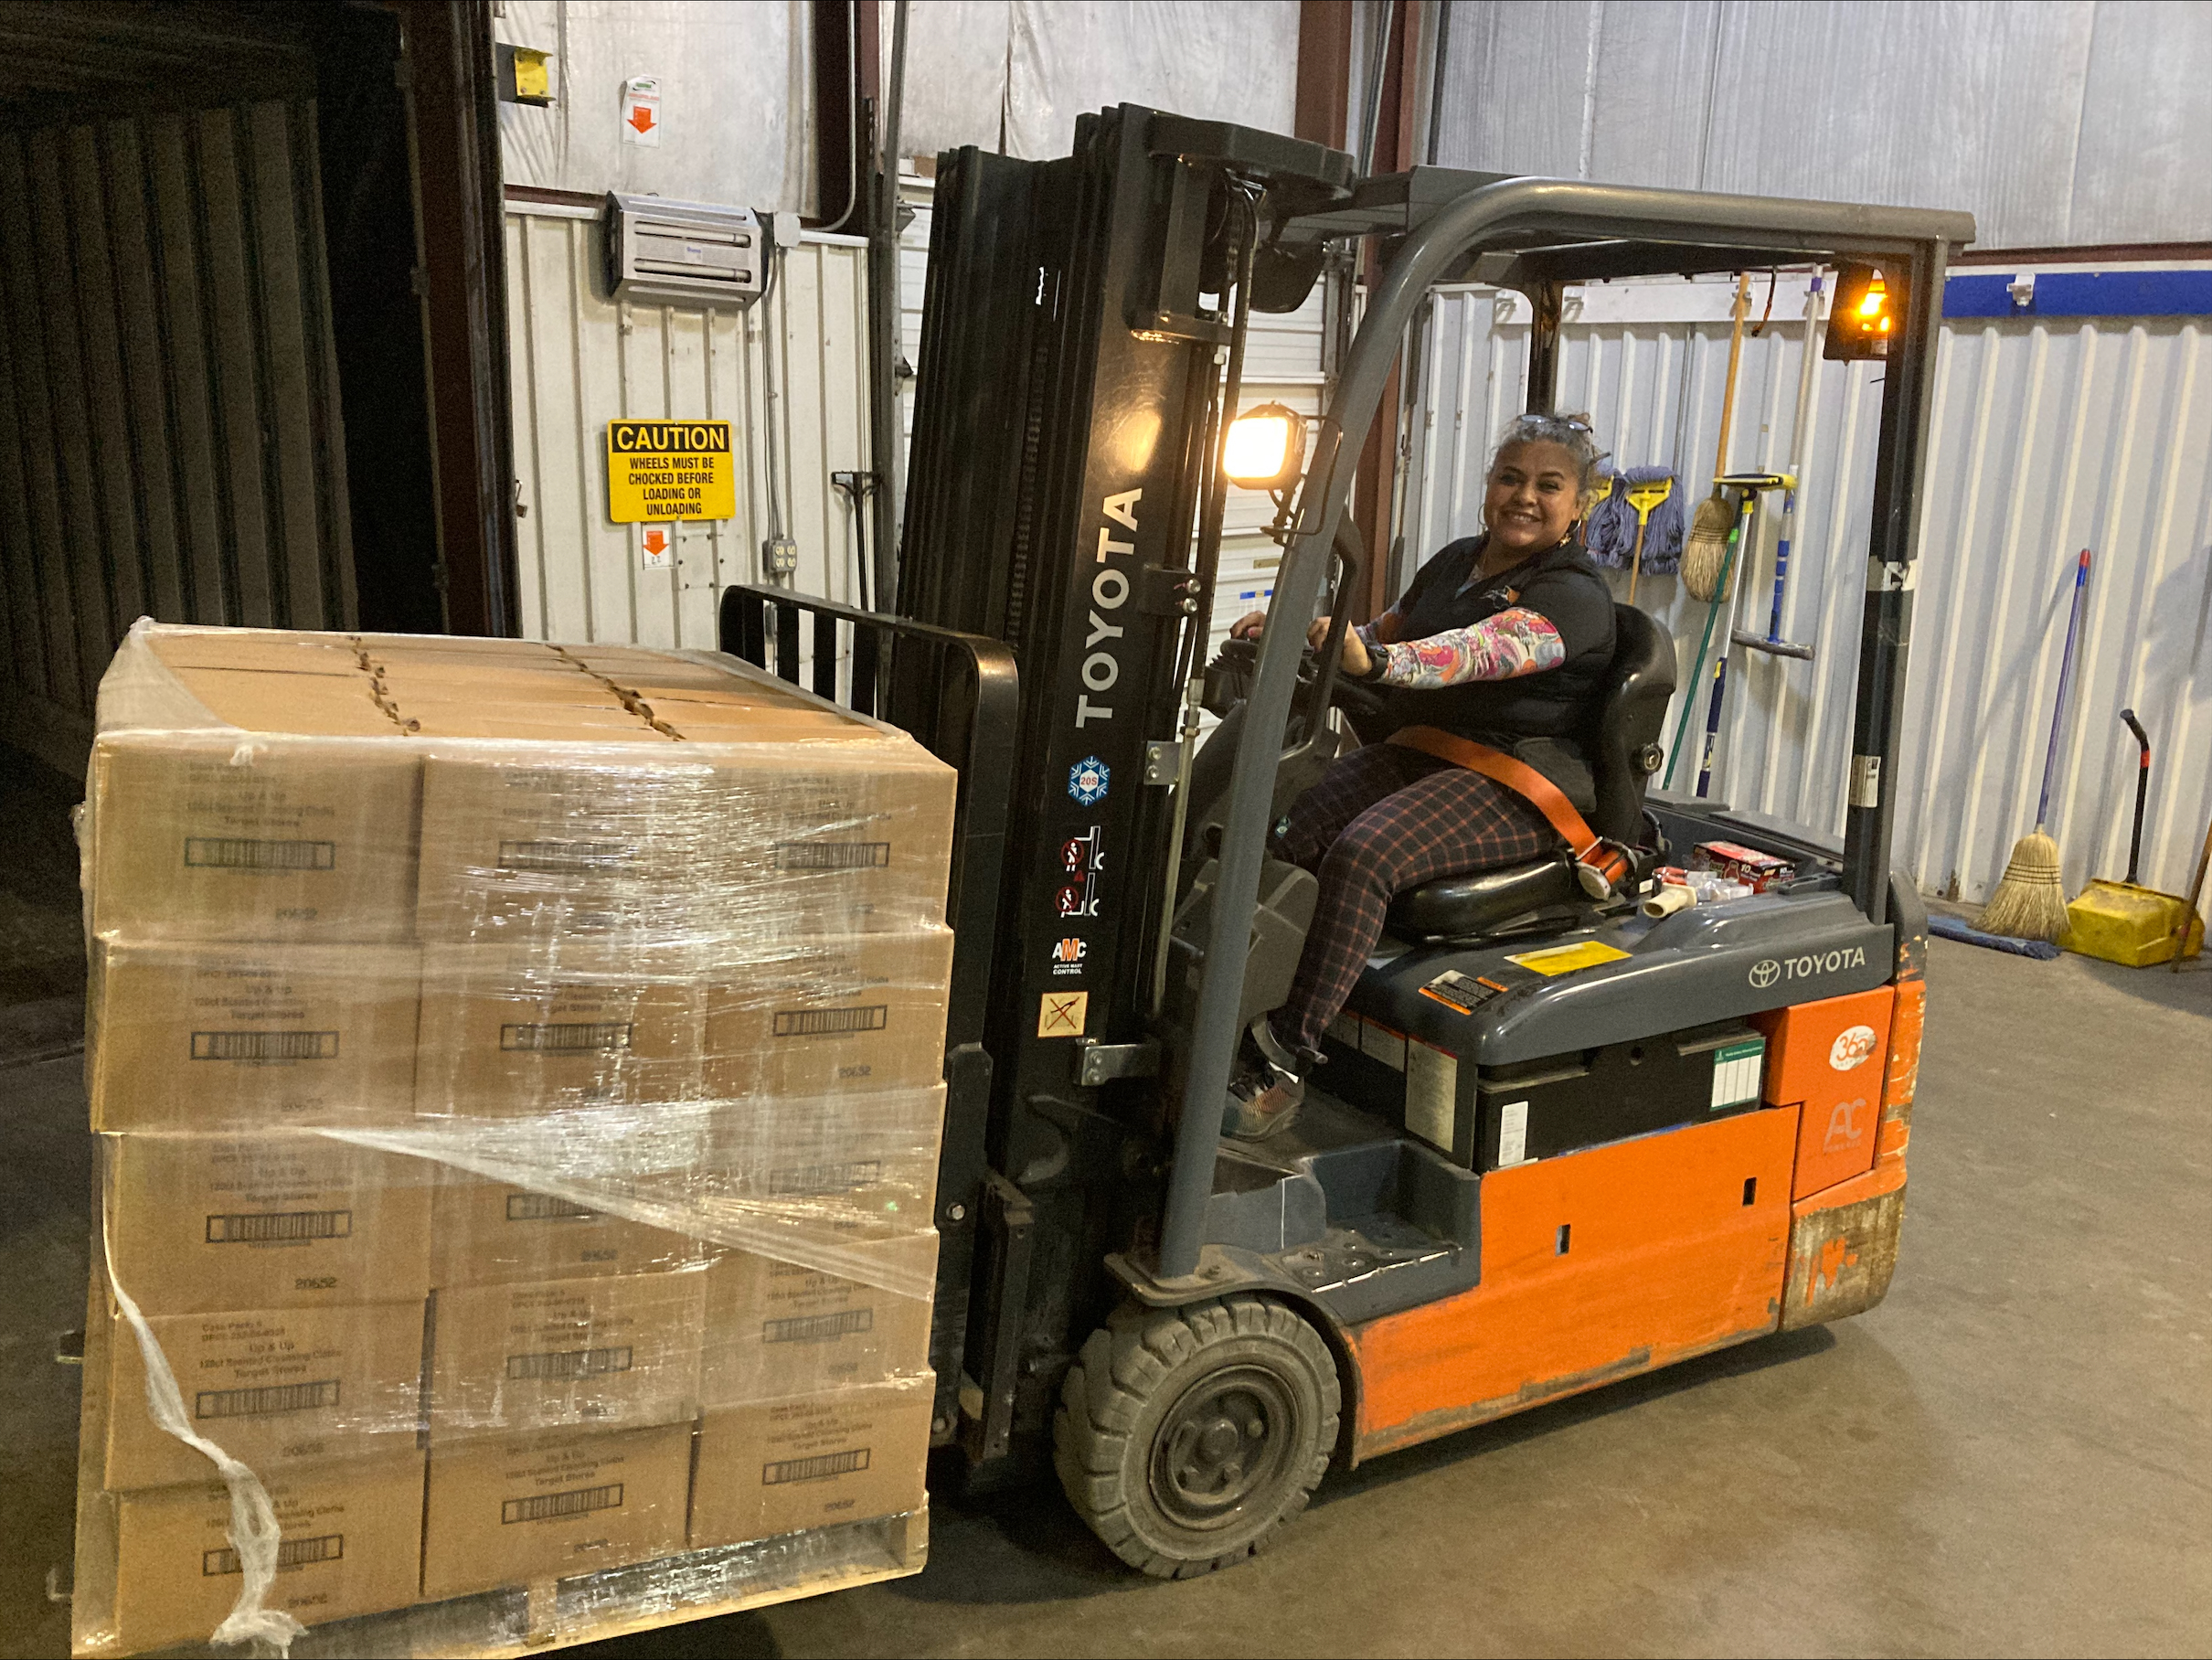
<point x="1556" y="1141"/>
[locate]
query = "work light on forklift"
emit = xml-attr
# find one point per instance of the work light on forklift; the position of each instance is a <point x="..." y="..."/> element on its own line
<point x="1265" y="448"/>
<point x="1864" y="317"/>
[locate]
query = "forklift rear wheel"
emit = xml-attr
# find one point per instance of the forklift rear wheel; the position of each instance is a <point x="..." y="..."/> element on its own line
<point x="1185" y="1437"/>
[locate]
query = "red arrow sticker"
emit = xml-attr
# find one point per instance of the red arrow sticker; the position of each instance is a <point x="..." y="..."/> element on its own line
<point x="640" y="117"/>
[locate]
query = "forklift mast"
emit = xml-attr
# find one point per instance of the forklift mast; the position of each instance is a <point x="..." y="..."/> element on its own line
<point x="1070" y="387"/>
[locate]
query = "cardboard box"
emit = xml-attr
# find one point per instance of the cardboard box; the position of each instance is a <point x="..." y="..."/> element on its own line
<point x="276" y="1219"/>
<point x="197" y="835"/>
<point x="620" y="1351"/>
<point x="157" y="1568"/>
<point x="516" y="843"/>
<point x="341" y="703"/>
<point x="779" y="826"/>
<point x="273" y="1387"/>
<point x="489" y="1233"/>
<point x="512" y="1030"/>
<point x="525" y="1510"/>
<point x="205" y="1036"/>
<point x="816" y="838"/>
<point x="777" y="1466"/>
<point x="856" y="1165"/>
<point x="839" y="1014"/>
<point x="776" y="1328"/>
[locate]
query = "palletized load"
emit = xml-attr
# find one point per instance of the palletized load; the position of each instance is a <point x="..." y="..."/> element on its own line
<point x="519" y="1069"/>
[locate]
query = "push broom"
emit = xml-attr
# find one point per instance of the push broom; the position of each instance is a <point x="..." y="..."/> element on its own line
<point x="1706" y="564"/>
<point x="2029" y="902"/>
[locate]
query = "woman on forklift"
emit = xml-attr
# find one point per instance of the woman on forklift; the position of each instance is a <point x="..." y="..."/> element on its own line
<point x="1503" y="638"/>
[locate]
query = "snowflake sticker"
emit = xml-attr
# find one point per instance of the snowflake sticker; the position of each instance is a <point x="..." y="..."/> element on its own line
<point x="1087" y="780"/>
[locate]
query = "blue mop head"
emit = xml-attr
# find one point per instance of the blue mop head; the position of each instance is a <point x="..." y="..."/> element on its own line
<point x="1953" y="928"/>
<point x="1663" y="533"/>
<point x="1610" y="531"/>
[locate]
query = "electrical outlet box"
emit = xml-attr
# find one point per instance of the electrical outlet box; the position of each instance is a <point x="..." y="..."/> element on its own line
<point x="779" y="556"/>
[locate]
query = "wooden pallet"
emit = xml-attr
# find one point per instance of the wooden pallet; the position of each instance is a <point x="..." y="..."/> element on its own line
<point x="675" y="1590"/>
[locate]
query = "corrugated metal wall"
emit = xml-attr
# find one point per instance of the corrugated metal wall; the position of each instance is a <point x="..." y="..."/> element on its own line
<point x="170" y="440"/>
<point x="580" y="360"/>
<point x="2047" y="437"/>
<point x="2068" y="123"/>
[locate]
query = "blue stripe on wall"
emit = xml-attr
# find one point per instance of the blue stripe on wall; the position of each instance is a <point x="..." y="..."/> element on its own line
<point x="2100" y="293"/>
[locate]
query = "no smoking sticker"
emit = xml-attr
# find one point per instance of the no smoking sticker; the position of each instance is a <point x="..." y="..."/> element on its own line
<point x="1062" y="1013"/>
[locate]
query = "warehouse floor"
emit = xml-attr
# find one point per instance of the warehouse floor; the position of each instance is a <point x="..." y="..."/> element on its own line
<point x="2012" y="1455"/>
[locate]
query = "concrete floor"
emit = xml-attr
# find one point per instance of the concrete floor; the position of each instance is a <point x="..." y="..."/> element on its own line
<point x="2012" y="1455"/>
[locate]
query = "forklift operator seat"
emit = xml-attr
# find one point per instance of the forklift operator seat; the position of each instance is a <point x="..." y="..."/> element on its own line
<point x="1623" y="745"/>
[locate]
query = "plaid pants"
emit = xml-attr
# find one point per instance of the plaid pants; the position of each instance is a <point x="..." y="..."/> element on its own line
<point x="1383" y="819"/>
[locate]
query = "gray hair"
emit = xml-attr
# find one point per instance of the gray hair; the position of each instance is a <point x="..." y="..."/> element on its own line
<point x="1571" y="432"/>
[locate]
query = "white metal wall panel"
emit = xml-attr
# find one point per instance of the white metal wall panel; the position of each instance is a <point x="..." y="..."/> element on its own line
<point x="580" y="360"/>
<point x="2073" y="121"/>
<point x="2047" y="437"/>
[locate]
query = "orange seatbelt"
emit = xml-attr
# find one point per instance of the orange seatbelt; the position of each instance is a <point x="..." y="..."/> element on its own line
<point x="1601" y="865"/>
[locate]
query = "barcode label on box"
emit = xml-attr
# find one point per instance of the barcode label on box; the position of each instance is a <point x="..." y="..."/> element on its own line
<point x="551" y="1506"/>
<point x="280" y="1227"/>
<point x="267" y="1401"/>
<point x="568" y="1363"/>
<point x="241" y="853"/>
<point x="290" y="1553"/>
<point x="833" y="856"/>
<point x="802" y="1179"/>
<point x="264" y="1046"/>
<point x="819" y="1329"/>
<point x="544" y="1207"/>
<point x="832" y="1021"/>
<point x="566" y="858"/>
<point x="815" y="1468"/>
<point x="571" y="1037"/>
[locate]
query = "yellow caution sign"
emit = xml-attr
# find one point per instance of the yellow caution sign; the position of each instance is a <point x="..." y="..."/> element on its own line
<point x="669" y="470"/>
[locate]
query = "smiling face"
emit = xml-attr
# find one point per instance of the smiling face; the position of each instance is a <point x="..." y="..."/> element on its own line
<point x="1533" y="496"/>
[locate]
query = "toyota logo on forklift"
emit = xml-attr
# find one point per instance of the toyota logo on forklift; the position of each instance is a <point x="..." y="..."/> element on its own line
<point x="1192" y="1338"/>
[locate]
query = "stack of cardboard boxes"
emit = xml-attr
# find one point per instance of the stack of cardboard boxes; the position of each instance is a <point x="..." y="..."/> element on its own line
<point x="519" y="1072"/>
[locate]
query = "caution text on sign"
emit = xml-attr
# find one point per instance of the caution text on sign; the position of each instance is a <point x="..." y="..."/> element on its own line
<point x="669" y="470"/>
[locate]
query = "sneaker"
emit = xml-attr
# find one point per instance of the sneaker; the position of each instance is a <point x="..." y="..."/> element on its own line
<point x="1267" y="1090"/>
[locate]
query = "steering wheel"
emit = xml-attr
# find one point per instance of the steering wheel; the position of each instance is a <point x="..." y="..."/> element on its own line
<point x="1238" y="659"/>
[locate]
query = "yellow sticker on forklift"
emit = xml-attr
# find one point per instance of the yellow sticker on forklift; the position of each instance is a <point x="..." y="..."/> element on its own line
<point x="1567" y="959"/>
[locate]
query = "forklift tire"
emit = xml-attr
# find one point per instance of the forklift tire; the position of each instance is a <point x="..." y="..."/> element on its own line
<point x="1185" y="1437"/>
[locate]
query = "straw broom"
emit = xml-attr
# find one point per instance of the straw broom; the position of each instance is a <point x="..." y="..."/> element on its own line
<point x="1704" y="557"/>
<point x="2029" y="902"/>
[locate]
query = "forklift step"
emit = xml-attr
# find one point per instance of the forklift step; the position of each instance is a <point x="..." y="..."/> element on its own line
<point x="1363" y="1221"/>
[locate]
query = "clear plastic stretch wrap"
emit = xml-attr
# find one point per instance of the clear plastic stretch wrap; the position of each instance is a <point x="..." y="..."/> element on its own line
<point x="518" y="1072"/>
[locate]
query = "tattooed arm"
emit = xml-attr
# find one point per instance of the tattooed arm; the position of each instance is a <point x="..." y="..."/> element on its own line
<point x="1512" y="644"/>
<point x="1383" y="631"/>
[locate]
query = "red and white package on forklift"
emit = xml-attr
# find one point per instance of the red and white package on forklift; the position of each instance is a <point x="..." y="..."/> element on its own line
<point x="462" y="1012"/>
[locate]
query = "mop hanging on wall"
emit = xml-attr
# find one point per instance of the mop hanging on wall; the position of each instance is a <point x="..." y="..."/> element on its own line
<point x="1637" y="526"/>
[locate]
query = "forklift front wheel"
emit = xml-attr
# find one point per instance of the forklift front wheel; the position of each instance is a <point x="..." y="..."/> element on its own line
<point x="1185" y="1437"/>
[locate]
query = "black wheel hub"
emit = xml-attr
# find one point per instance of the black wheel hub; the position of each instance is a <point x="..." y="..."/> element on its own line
<point x="1228" y="1440"/>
